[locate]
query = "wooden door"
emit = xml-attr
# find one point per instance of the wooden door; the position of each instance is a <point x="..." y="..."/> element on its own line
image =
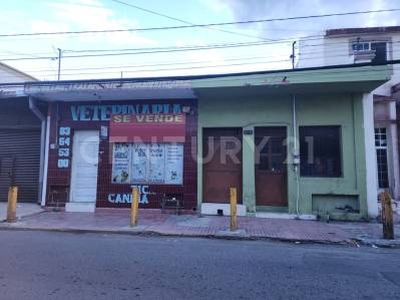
<point x="222" y="164"/>
<point x="271" y="167"/>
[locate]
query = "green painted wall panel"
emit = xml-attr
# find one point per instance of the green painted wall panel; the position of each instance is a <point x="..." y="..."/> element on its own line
<point x="344" y="110"/>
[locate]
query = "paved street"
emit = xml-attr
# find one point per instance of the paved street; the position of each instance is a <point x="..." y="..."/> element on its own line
<point x="53" y="265"/>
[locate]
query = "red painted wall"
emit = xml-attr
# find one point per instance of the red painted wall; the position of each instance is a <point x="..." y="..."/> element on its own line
<point x="62" y="115"/>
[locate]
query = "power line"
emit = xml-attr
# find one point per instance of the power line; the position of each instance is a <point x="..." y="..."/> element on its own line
<point x="152" y="51"/>
<point x="50" y="55"/>
<point x="305" y="56"/>
<point x="178" y="68"/>
<point x="144" y="51"/>
<point x="169" y="63"/>
<point x="183" y="21"/>
<point x="214" y="67"/>
<point x="200" y="25"/>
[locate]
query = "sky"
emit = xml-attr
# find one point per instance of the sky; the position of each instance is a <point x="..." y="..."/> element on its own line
<point x="143" y="51"/>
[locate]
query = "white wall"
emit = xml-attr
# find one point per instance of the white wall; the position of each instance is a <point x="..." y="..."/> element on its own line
<point x="310" y="53"/>
<point x="10" y="75"/>
<point x="337" y="50"/>
<point x="370" y="156"/>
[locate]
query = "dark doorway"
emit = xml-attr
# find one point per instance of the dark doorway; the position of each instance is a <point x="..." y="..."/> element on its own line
<point x="380" y="53"/>
<point x="222" y="164"/>
<point x="19" y="163"/>
<point x="270" y="166"/>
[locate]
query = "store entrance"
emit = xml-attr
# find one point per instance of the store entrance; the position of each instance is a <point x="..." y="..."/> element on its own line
<point x="270" y="166"/>
<point x="222" y="164"/>
<point x="84" y="167"/>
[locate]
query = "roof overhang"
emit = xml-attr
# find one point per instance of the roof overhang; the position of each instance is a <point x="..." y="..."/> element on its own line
<point x="110" y="90"/>
<point x="12" y="91"/>
<point x="312" y="81"/>
<point x="338" y="79"/>
<point x="362" y="30"/>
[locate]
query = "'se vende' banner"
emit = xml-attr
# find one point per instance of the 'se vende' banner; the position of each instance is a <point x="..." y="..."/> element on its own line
<point x="148" y="128"/>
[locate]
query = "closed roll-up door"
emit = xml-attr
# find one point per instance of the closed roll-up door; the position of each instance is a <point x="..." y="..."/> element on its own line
<point x="19" y="162"/>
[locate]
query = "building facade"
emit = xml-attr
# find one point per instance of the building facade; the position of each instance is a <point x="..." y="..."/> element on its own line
<point x="110" y="138"/>
<point x="291" y="142"/>
<point x="375" y="45"/>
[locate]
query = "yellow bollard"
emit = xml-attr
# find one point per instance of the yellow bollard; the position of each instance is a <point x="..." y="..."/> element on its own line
<point x="12" y="204"/>
<point x="233" y="201"/>
<point x="134" y="206"/>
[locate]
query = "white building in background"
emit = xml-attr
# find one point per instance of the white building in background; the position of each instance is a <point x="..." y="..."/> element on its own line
<point x="367" y="45"/>
<point x="11" y="80"/>
<point x="10" y="75"/>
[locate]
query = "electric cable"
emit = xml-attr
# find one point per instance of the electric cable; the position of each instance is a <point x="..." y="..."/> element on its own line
<point x="200" y="25"/>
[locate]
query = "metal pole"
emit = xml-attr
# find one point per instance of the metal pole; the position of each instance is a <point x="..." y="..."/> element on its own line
<point x="134" y="206"/>
<point x="12" y="204"/>
<point x="46" y="161"/>
<point x="233" y="201"/>
<point x="59" y="63"/>
<point x="293" y="56"/>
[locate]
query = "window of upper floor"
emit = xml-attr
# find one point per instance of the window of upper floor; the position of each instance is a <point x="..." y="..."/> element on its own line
<point x="369" y="50"/>
<point x="361" y="46"/>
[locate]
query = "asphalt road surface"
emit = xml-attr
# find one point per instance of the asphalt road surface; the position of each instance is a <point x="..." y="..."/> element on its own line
<point x="45" y="265"/>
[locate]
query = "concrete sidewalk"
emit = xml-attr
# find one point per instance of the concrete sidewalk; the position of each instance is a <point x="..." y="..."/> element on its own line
<point x="23" y="210"/>
<point x="154" y="222"/>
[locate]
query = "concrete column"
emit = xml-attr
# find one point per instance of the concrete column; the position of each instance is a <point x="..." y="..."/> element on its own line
<point x="370" y="156"/>
<point x="394" y="159"/>
<point x="249" y="186"/>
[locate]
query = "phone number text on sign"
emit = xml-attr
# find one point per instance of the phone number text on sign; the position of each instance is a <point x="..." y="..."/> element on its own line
<point x="64" y="151"/>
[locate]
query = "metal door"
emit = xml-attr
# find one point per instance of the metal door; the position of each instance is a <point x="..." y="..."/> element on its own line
<point x="20" y="163"/>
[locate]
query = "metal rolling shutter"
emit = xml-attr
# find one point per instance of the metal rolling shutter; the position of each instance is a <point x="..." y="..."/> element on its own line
<point x="20" y="148"/>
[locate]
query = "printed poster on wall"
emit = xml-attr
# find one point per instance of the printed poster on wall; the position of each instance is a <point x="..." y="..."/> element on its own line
<point x="156" y="163"/>
<point x="139" y="162"/>
<point x="121" y="159"/>
<point x="173" y="163"/>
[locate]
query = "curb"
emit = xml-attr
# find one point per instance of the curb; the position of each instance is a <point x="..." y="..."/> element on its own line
<point x="379" y="243"/>
<point x="220" y="235"/>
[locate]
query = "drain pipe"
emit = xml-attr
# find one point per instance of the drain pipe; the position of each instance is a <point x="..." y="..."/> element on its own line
<point x="296" y="156"/>
<point x="42" y="118"/>
<point x="46" y="162"/>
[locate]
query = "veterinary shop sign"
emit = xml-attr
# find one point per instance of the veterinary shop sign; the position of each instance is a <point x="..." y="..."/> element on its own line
<point x="104" y="112"/>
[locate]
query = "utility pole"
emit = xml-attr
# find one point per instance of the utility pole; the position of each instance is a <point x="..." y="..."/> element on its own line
<point x="59" y="63"/>
<point x="292" y="56"/>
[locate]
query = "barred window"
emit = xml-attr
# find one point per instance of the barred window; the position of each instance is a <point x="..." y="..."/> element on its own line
<point x="381" y="157"/>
